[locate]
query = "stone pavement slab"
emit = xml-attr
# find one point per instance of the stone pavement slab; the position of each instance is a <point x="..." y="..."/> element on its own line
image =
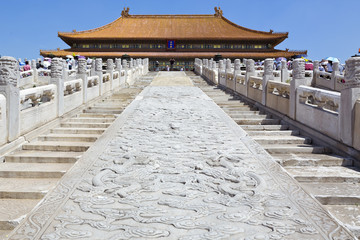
<point x="171" y="79"/>
<point x="175" y="166"/>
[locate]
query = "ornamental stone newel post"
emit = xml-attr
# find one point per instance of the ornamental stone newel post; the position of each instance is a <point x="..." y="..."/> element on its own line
<point x="237" y="71"/>
<point x="99" y="73"/>
<point x="214" y="73"/>
<point x="83" y="75"/>
<point x="336" y="71"/>
<point x="9" y="78"/>
<point x="110" y="70"/>
<point x="221" y="70"/>
<point x="92" y="70"/>
<point x="34" y="69"/>
<point x="284" y="71"/>
<point x="200" y="67"/>
<point x="297" y="80"/>
<point x="227" y="71"/>
<point x="125" y="67"/>
<point x="118" y="68"/>
<point x="349" y="96"/>
<point x="57" y="78"/>
<point x="250" y="71"/>
<point x="268" y="75"/>
<point x="315" y="72"/>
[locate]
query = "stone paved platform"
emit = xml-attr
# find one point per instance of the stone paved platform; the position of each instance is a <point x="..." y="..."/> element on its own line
<point x="175" y="166"/>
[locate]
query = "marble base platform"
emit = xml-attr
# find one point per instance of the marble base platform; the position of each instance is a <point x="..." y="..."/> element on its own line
<point x="175" y="166"/>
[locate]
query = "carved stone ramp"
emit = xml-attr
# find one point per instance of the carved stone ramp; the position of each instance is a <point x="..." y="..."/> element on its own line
<point x="31" y="171"/>
<point x="328" y="177"/>
<point x="173" y="165"/>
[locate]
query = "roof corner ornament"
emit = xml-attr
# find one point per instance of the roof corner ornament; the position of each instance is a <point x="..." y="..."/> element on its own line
<point x="271" y="31"/>
<point x="218" y="12"/>
<point x="125" y="12"/>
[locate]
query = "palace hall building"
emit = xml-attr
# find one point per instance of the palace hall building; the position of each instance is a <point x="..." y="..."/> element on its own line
<point x="179" y="37"/>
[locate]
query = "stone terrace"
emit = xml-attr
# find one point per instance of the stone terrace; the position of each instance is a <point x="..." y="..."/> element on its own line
<point x="173" y="165"/>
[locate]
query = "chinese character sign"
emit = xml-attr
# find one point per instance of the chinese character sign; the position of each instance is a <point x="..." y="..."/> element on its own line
<point x="171" y="44"/>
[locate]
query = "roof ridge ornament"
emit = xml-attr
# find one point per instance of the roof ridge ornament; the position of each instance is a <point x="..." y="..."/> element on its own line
<point x="218" y="12"/>
<point x="125" y="12"/>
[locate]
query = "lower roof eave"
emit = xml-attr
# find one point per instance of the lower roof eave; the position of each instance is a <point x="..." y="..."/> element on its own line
<point x="178" y="55"/>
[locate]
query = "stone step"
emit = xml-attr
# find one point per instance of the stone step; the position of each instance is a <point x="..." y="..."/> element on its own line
<point x="263" y="128"/>
<point x="274" y="133"/>
<point x="334" y="193"/>
<point x="42" y="157"/>
<point x="324" y="174"/>
<point x="256" y="121"/>
<point x="57" y="146"/>
<point x="299" y="148"/>
<point x="85" y="125"/>
<point x="235" y="114"/>
<point x="69" y="137"/>
<point x="325" y="160"/>
<point x="89" y="120"/>
<point x="109" y="106"/>
<point x="349" y="215"/>
<point x="77" y="130"/>
<point x="12" y="211"/>
<point x="248" y="116"/>
<point x="281" y="140"/>
<point x="26" y="188"/>
<point x="33" y="170"/>
<point x="102" y="110"/>
<point x="95" y="115"/>
<point x="237" y="109"/>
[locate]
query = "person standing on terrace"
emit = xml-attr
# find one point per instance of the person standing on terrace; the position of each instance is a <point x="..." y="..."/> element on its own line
<point x="27" y="66"/>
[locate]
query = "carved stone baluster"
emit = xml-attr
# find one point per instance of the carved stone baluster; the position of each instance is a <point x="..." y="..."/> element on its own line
<point x="9" y="78"/>
<point x="298" y="79"/>
<point x="99" y="73"/>
<point x="82" y="73"/>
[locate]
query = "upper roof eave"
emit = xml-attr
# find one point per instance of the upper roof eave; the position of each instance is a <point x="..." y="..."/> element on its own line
<point x="93" y="33"/>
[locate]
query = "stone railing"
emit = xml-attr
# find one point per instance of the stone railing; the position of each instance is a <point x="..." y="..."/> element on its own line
<point x="26" y="78"/>
<point x="38" y="106"/>
<point x="23" y="110"/>
<point x="255" y="88"/>
<point x="331" y="81"/>
<point x="278" y="96"/>
<point x="73" y="94"/>
<point x="289" y="93"/>
<point x="34" y="97"/>
<point x="319" y="109"/>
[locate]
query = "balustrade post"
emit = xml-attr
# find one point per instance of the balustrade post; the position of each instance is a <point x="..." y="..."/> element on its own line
<point x="228" y="69"/>
<point x="99" y="73"/>
<point x="118" y="68"/>
<point x="92" y="70"/>
<point x="250" y="71"/>
<point x="81" y="73"/>
<point x="315" y="73"/>
<point x="284" y="71"/>
<point x="268" y="75"/>
<point x="221" y="69"/>
<point x="336" y="71"/>
<point x="110" y="70"/>
<point x="57" y="78"/>
<point x="349" y="96"/>
<point x="126" y="69"/>
<point x="237" y="71"/>
<point x="9" y="78"/>
<point x="298" y="79"/>
<point x="34" y="69"/>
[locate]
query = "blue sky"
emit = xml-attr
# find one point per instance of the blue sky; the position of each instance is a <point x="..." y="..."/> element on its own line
<point x="323" y="27"/>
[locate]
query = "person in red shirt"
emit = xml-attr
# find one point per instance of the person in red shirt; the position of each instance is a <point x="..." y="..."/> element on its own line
<point x="27" y="66"/>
